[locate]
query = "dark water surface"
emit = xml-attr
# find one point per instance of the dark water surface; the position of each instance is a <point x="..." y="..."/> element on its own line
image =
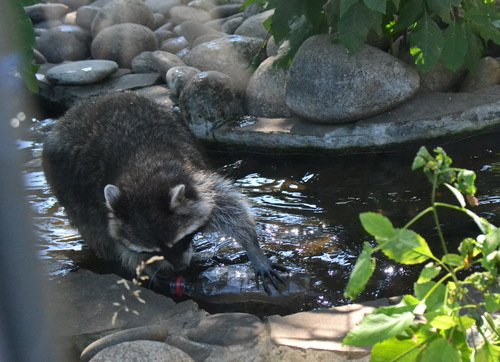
<point x="307" y="211"/>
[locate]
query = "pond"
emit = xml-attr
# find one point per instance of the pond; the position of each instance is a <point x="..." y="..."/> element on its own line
<point x="307" y="211"/>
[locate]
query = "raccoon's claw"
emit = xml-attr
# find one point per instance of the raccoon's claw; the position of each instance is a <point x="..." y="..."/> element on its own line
<point x="271" y="276"/>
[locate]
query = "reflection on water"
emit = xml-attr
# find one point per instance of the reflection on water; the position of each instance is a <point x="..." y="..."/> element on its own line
<point x="306" y="209"/>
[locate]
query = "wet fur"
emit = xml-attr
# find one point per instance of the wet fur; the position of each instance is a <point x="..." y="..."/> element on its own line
<point x="161" y="189"/>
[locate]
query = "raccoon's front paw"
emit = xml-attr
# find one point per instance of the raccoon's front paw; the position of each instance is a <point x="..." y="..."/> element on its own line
<point x="268" y="273"/>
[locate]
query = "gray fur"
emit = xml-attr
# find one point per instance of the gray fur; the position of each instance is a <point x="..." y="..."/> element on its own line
<point x="133" y="180"/>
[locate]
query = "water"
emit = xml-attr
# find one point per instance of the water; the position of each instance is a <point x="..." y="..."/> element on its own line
<point x="307" y="211"/>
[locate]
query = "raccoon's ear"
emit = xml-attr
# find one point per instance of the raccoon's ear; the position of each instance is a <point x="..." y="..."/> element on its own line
<point x="111" y="194"/>
<point x="177" y="196"/>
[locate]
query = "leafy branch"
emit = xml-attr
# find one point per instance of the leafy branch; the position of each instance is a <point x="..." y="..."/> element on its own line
<point x="436" y="322"/>
<point x="454" y="32"/>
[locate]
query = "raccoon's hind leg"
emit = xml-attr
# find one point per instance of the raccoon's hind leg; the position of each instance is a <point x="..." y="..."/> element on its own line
<point x="231" y="217"/>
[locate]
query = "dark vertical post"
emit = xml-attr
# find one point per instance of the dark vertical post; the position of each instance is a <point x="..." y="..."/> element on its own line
<point x="24" y="321"/>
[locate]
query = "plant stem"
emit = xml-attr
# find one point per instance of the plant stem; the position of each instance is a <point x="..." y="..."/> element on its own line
<point x="417" y="217"/>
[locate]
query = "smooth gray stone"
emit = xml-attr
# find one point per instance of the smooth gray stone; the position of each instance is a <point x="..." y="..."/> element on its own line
<point x="81" y="72"/>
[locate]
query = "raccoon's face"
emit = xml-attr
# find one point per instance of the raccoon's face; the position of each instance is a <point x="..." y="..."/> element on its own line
<point x="162" y="222"/>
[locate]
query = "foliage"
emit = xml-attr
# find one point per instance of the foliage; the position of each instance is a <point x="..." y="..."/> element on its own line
<point x="453" y="32"/>
<point x="24" y="38"/>
<point x="436" y="322"/>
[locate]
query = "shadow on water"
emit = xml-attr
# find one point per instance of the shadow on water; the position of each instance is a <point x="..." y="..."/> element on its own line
<point x="307" y="211"/>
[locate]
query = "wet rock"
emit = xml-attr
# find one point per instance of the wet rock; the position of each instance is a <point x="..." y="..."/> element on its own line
<point x="486" y="74"/>
<point x="252" y="26"/>
<point x="207" y="37"/>
<point x="162" y="6"/>
<point x="44" y="12"/>
<point x="177" y="77"/>
<point x="81" y="72"/>
<point x="143" y="63"/>
<point x="227" y="329"/>
<point x="265" y="94"/>
<point x="123" y="11"/>
<point x="192" y="29"/>
<point x="85" y="16"/>
<point x="64" y="42"/>
<point x="230" y="55"/>
<point x="163" y="61"/>
<point x="223" y="11"/>
<point x="208" y="99"/>
<point x="174" y="45"/>
<point x="326" y="85"/>
<point x="144" y="351"/>
<point x="122" y="42"/>
<point x="180" y="14"/>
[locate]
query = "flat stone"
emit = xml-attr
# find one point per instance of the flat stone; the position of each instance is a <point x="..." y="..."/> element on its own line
<point x="227" y="329"/>
<point x="141" y="351"/>
<point x="68" y="95"/>
<point x="426" y="116"/>
<point x="321" y="329"/>
<point x="81" y="72"/>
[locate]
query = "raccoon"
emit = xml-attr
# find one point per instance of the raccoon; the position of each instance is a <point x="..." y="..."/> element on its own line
<point x="135" y="182"/>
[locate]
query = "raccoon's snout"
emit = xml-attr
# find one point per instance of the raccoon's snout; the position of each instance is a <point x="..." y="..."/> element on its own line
<point x="178" y="258"/>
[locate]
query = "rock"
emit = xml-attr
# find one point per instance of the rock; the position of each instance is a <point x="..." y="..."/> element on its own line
<point x="141" y="351"/>
<point x="70" y="18"/>
<point x="230" y="26"/>
<point x="38" y="57"/>
<point x="326" y="85"/>
<point x="163" y="34"/>
<point x="174" y="45"/>
<point x="48" y="24"/>
<point x="74" y="4"/>
<point x="180" y="14"/>
<point x="85" y="16"/>
<point x="123" y="11"/>
<point x="163" y="61"/>
<point x="198" y="351"/>
<point x="486" y="74"/>
<point x="159" y="20"/>
<point x="271" y="47"/>
<point x="230" y="55"/>
<point x="64" y="42"/>
<point x="155" y="332"/>
<point x="177" y="77"/>
<point x="81" y="72"/>
<point x="322" y="329"/>
<point x="440" y="79"/>
<point x="43" y="12"/>
<point x="143" y="63"/>
<point x="160" y="94"/>
<point x="206" y="38"/>
<point x="162" y="6"/>
<point x="253" y="25"/>
<point x="265" y="94"/>
<point x="206" y="5"/>
<point x="209" y="99"/>
<point x="122" y="42"/>
<point x="227" y="329"/>
<point x="223" y="11"/>
<point x="191" y="30"/>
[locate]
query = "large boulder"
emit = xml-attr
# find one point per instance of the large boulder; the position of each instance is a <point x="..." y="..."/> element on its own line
<point x="123" y="11"/>
<point x="265" y="94"/>
<point x="326" y="84"/>
<point x="122" y="42"/>
<point x="230" y="55"/>
<point x="64" y="42"/>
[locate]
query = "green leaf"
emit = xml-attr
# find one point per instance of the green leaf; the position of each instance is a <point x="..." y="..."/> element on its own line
<point x="362" y="272"/>
<point x="492" y="302"/>
<point x="406" y="247"/>
<point x="376" y="5"/>
<point x="466" y="182"/>
<point x="410" y="11"/>
<point x="428" y="38"/>
<point x="429" y="272"/>
<point x="434" y="301"/>
<point x="452" y="259"/>
<point x="377" y="225"/>
<point x="443" y="322"/>
<point x="440" y="350"/>
<point x="474" y="50"/>
<point x="457" y="194"/>
<point x="394" y="349"/>
<point x="488" y="353"/>
<point x="375" y="328"/>
<point x="423" y="156"/>
<point x="346" y="5"/>
<point x="354" y="25"/>
<point x="455" y="47"/>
